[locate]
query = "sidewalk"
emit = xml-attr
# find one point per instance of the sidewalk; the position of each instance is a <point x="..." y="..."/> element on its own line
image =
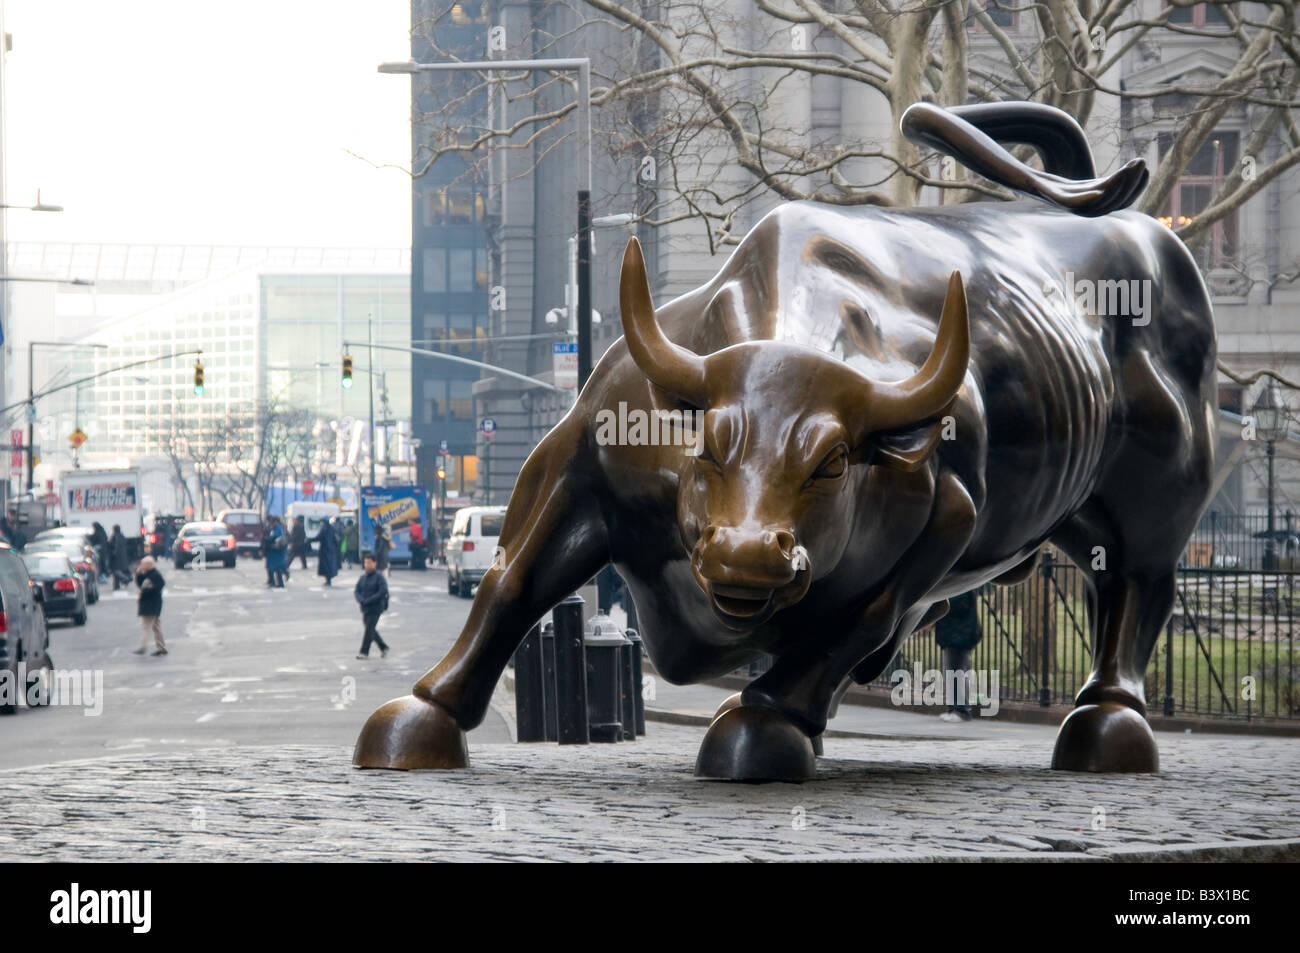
<point x="907" y="798"/>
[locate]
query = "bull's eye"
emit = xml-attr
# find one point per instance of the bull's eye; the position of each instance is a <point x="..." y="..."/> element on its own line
<point x="834" y="466"/>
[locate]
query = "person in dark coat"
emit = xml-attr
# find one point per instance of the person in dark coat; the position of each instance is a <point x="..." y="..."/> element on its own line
<point x="298" y="542"/>
<point x="383" y="543"/>
<point x="277" y="553"/>
<point x="957" y="633"/>
<point x="418" y="551"/>
<point x="150" y="583"/>
<point x="327" y="543"/>
<point x="99" y="539"/>
<point x="119" y="558"/>
<point x="352" y="543"/>
<point x="371" y="594"/>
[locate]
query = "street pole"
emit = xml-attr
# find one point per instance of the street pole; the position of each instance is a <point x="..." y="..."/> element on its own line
<point x="31" y="414"/>
<point x="1270" y="547"/>
<point x="370" y="388"/>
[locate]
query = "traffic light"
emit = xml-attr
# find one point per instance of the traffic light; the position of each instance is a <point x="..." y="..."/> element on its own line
<point x="442" y="473"/>
<point x="198" y="378"/>
<point x="347" y="371"/>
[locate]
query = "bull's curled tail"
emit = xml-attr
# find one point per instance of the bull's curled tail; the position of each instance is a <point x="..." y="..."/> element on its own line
<point x="973" y="136"/>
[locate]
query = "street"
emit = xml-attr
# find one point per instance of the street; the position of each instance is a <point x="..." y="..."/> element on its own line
<point x="246" y="665"/>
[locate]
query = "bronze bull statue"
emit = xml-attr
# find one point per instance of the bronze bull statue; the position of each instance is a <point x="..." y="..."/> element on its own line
<point x="883" y="408"/>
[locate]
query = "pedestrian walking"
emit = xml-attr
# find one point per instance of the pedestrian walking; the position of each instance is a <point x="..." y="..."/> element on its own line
<point x="383" y="545"/>
<point x="149" y="581"/>
<point x="99" y="540"/>
<point x="119" y="559"/>
<point x="957" y="633"/>
<point x="352" y="543"/>
<point x="418" y="551"/>
<point x="327" y="545"/>
<point x="277" y="553"/>
<point x="298" y="547"/>
<point x="371" y="594"/>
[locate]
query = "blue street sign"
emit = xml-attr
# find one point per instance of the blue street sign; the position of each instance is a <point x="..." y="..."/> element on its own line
<point x="488" y="426"/>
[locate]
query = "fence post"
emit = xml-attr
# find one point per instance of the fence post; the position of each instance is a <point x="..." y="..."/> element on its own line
<point x="1169" y="667"/>
<point x="1045" y="654"/>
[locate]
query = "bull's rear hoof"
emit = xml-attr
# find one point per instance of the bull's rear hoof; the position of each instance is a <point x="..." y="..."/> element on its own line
<point x="409" y="733"/>
<point x="1107" y="737"/>
<point x="755" y="744"/>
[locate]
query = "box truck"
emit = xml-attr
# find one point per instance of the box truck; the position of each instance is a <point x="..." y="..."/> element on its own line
<point x="108" y="497"/>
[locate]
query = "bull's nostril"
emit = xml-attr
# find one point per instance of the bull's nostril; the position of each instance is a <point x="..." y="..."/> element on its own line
<point x="709" y="532"/>
<point x="785" y="541"/>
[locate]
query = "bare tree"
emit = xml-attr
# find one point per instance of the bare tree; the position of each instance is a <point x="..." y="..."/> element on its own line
<point x="703" y="89"/>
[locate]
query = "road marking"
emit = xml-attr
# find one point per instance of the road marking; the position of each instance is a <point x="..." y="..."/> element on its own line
<point x="205" y="717"/>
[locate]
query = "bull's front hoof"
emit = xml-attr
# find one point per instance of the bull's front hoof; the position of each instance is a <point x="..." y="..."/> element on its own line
<point x="755" y="744"/>
<point x="728" y="703"/>
<point x="409" y="733"/>
<point x="1107" y="737"/>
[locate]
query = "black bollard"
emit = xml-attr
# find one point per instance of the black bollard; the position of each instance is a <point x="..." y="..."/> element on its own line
<point x="627" y="689"/>
<point x="638" y="700"/>
<point x="548" y="681"/>
<point x="604" y="647"/>
<point x="530" y="697"/>
<point x="570" y="673"/>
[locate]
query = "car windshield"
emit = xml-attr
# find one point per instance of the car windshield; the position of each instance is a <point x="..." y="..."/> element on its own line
<point x="69" y="550"/>
<point x="205" y="529"/>
<point x="490" y="524"/>
<point x="47" y="565"/>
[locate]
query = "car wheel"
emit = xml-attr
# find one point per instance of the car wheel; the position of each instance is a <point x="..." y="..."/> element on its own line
<point x="8" y="698"/>
<point x="79" y="618"/>
<point x="230" y="563"/>
<point x="179" y="564"/>
<point x="44" y="673"/>
<point x="451" y="586"/>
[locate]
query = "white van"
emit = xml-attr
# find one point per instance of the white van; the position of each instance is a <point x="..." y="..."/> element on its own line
<point x="314" y="516"/>
<point x="471" y="546"/>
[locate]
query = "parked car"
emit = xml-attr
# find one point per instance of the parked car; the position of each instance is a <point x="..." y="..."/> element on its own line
<point x="472" y="546"/>
<point x="24" y="636"/>
<point x="82" y="556"/>
<point x="160" y="532"/>
<point x="64" y="593"/>
<point x="246" y="526"/>
<point x="213" y="540"/>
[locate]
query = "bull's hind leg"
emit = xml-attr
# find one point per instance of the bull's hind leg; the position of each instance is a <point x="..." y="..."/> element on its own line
<point x="553" y="540"/>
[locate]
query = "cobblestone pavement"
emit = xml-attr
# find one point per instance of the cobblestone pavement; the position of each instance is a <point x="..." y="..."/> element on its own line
<point x="1216" y="798"/>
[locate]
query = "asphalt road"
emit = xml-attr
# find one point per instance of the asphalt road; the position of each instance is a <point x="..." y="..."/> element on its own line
<point x="246" y="665"/>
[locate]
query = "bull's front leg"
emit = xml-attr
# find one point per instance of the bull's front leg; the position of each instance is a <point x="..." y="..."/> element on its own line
<point x="767" y="737"/>
<point x="552" y="541"/>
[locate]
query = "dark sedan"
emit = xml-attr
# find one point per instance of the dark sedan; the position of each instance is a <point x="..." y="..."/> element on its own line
<point x="80" y="554"/>
<point x="204" y="543"/>
<point x="61" y="587"/>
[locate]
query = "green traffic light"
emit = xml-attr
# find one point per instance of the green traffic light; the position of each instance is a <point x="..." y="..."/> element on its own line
<point x="347" y="383"/>
<point x="198" y="390"/>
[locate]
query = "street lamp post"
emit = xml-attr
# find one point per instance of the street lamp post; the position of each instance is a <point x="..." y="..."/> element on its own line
<point x="1268" y="424"/>
<point x="582" y="66"/>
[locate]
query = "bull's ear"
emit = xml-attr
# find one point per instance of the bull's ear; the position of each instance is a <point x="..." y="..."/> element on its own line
<point x="906" y="449"/>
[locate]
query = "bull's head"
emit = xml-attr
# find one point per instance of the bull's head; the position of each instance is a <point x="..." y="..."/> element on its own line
<point x="789" y="434"/>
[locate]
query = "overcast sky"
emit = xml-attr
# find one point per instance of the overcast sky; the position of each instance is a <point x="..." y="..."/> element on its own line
<point x="177" y="121"/>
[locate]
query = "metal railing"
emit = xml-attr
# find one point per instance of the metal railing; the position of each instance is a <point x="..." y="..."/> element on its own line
<point x="1229" y="649"/>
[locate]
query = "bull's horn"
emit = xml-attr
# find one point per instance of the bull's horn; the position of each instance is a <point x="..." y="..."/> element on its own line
<point x="930" y="389"/>
<point x="673" y="368"/>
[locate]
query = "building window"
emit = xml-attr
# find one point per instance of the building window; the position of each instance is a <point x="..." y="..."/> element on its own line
<point x="1002" y="13"/>
<point x="1196" y="188"/>
<point x="1200" y="14"/>
<point x="435" y="270"/>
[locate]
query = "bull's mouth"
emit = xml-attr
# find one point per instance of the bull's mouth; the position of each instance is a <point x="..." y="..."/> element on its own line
<point x="740" y="603"/>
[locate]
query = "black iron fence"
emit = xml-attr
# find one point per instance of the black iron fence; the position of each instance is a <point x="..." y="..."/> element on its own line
<point x="1236" y="541"/>
<point x="1228" y="650"/>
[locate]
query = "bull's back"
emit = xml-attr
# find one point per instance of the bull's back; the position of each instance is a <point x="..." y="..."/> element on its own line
<point x="1045" y="392"/>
